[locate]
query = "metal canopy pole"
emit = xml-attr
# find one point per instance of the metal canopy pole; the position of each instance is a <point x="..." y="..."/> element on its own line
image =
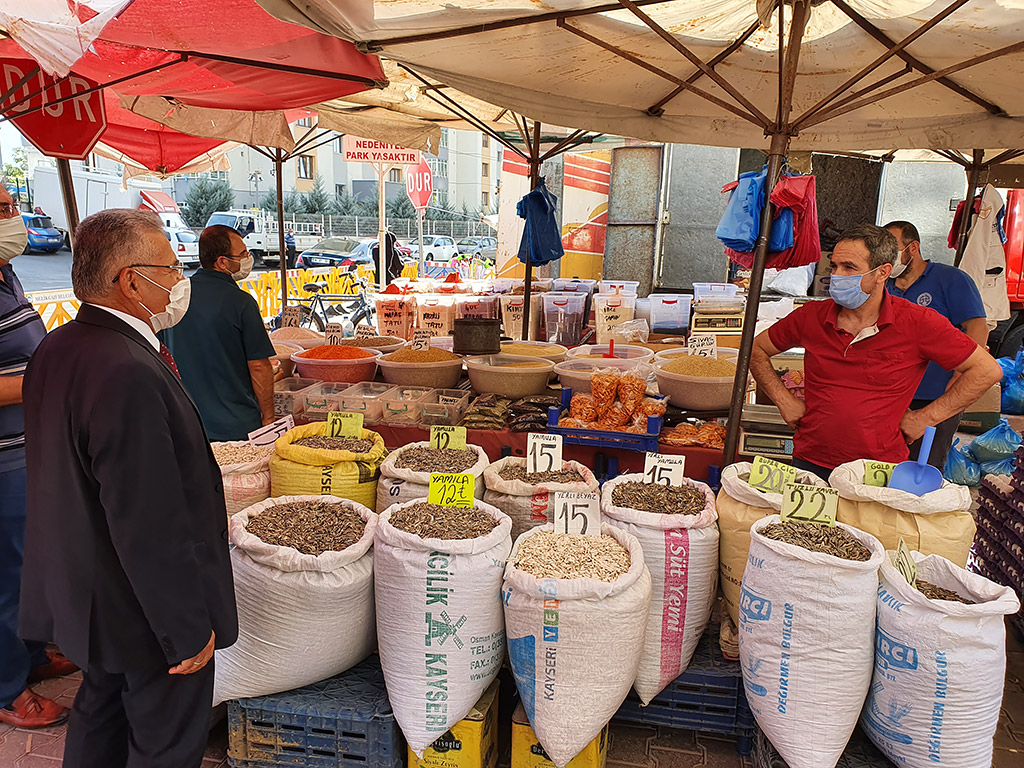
<point x="282" y="253"/>
<point x="780" y="138"/>
<point x="973" y="176"/>
<point x="534" y="180"/>
<point x="67" y="190"/>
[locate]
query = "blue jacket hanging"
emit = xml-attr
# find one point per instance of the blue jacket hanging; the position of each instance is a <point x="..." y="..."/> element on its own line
<point x="541" y="236"/>
<point x="741" y="222"/>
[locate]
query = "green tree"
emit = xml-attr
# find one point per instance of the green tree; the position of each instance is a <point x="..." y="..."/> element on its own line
<point x="442" y="208"/>
<point x="345" y="205"/>
<point x="317" y="201"/>
<point x="16" y="174"/>
<point x="207" y="196"/>
<point x="293" y="202"/>
<point x="401" y="208"/>
<point x="269" y="201"/>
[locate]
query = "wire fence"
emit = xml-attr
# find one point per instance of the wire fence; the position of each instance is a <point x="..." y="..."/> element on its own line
<point x="403" y="229"/>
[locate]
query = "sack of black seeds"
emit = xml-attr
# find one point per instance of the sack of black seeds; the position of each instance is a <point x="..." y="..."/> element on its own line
<point x="529" y="500"/>
<point x="440" y="627"/>
<point x="677" y="529"/>
<point x="939" y="665"/>
<point x="807" y="632"/>
<point x="405" y="473"/>
<point x="302" y="617"/>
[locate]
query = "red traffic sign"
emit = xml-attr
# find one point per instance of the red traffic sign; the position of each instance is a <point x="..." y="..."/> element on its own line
<point x="73" y="122"/>
<point x="419" y="184"/>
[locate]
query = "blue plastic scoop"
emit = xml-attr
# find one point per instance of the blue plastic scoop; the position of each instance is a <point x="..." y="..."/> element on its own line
<point x="918" y="477"/>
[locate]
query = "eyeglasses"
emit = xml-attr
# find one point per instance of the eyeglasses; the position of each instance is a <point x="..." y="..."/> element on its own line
<point x="241" y="255"/>
<point x="176" y="267"/>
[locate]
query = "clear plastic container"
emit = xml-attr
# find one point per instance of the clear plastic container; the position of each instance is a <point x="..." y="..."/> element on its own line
<point x="565" y="317"/>
<point x="436" y="314"/>
<point x="621" y="352"/>
<point x="512" y="376"/>
<point x="512" y="315"/>
<point x="395" y="315"/>
<point x="321" y="399"/>
<point x="444" y="407"/>
<point x="610" y="310"/>
<point x="366" y="398"/>
<point x="670" y="312"/>
<point x="537" y="285"/>
<point x="404" y="405"/>
<point x="701" y="290"/>
<point x="288" y="395"/>
<point x="575" y="285"/>
<point x="627" y="287"/>
<point x="477" y="306"/>
<point x="575" y="372"/>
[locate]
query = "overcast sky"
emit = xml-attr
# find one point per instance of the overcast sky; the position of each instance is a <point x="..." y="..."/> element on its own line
<point x="9" y="139"/>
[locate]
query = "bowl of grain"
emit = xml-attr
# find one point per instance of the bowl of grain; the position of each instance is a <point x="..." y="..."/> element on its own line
<point x="696" y="383"/>
<point x="306" y="338"/>
<point x="554" y="352"/>
<point x="285" y="350"/>
<point x="430" y="367"/>
<point x="383" y="344"/>
<point x="620" y="351"/>
<point x="512" y="376"/>
<point x="727" y="353"/>
<point x="331" y="362"/>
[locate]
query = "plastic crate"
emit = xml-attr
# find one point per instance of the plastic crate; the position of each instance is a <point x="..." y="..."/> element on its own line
<point x="708" y="696"/>
<point x="859" y="753"/>
<point x="343" y="721"/>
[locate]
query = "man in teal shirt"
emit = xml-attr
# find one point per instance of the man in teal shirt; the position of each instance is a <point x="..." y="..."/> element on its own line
<point x="221" y="346"/>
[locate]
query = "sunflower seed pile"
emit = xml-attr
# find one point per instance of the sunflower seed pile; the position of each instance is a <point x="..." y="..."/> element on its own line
<point x="518" y="472"/>
<point x="324" y="443"/>
<point x="424" y="459"/>
<point x="226" y="454"/>
<point x="431" y="521"/>
<point x="657" y="497"/>
<point x="828" y="539"/>
<point x="311" y="527"/>
<point x="549" y="555"/>
<point x="939" y="593"/>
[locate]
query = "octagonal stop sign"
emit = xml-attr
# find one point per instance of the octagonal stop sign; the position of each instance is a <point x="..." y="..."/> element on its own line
<point x="419" y="184"/>
<point x="72" y="123"/>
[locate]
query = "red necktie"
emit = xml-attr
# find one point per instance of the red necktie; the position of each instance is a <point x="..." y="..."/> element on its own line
<point x="165" y="353"/>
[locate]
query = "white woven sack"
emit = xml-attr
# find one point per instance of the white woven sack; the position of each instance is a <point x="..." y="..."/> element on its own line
<point x="848" y="479"/>
<point x="530" y="505"/>
<point x="939" y="667"/>
<point x="440" y="626"/>
<point x="807" y="626"/>
<point x="246" y="483"/>
<point x="398" y="486"/>
<point x="574" y="646"/>
<point x="301" y="618"/>
<point x="681" y="552"/>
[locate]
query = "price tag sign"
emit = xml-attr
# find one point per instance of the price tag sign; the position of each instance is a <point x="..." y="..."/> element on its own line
<point x="703" y="344"/>
<point x="667" y="470"/>
<point x="451" y="489"/>
<point x="421" y="340"/>
<point x="448" y="437"/>
<point x="577" y="513"/>
<point x="343" y="424"/>
<point x="905" y="563"/>
<point x="809" y="504"/>
<point x="334" y="333"/>
<point x="878" y="473"/>
<point x="365" y="332"/>
<point x="291" y="316"/>
<point x="448" y="400"/>
<point x="269" y="434"/>
<point x="770" y="476"/>
<point x="543" y="453"/>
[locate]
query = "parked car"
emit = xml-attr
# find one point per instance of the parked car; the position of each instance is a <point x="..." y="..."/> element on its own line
<point x="436" y="248"/>
<point x="479" y="246"/>
<point x="344" y="252"/>
<point x="42" y="235"/>
<point x="185" y="244"/>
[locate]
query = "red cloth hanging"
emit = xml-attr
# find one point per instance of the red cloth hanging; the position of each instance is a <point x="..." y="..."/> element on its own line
<point x="954" y="231"/>
<point x="797" y="193"/>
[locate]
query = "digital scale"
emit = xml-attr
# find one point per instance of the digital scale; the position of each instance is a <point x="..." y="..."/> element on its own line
<point x="764" y="433"/>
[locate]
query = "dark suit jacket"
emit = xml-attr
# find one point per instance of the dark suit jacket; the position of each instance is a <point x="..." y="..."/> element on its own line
<point x="126" y="554"/>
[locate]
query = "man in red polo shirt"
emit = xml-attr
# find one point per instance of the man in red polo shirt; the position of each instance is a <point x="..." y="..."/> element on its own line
<point x="865" y="355"/>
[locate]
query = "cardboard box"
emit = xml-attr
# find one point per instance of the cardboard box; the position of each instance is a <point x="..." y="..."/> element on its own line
<point x="470" y="743"/>
<point x="528" y="753"/>
<point x="984" y="414"/>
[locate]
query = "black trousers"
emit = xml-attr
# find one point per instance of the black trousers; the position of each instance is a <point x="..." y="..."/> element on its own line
<point x="817" y="469"/>
<point x="140" y="719"/>
<point x="944" y="434"/>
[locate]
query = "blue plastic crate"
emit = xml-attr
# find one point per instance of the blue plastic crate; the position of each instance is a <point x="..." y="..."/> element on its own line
<point x="708" y="696"/>
<point x="604" y="438"/>
<point x="343" y="721"/>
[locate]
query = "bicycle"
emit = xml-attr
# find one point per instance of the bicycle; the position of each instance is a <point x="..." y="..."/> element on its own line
<point x="349" y="309"/>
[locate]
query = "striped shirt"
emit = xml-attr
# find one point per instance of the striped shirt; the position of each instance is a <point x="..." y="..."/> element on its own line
<point x="21" y="330"/>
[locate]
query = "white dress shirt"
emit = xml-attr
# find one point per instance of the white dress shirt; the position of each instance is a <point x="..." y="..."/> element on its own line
<point x="139" y="325"/>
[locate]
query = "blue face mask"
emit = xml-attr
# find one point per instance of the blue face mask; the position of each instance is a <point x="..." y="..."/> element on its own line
<point x="845" y="290"/>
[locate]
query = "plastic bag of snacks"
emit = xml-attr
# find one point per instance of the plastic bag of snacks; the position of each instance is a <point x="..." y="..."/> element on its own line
<point x="575" y="644"/>
<point x="604" y="388"/>
<point x="405" y="473"/>
<point x="527" y="499"/>
<point x="582" y="407"/>
<point x="614" y="416"/>
<point x="436" y="671"/>
<point x="938" y="523"/>
<point x="301" y="617"/>
<point x="245" y="470"/>
<point x="739" y="506"/>
<point x="807" y="632"/>
<point x="939" y="666"/>
<point x="631" y="390"/>
<point x="676" y="529"/>
<point x="304" y="465"/>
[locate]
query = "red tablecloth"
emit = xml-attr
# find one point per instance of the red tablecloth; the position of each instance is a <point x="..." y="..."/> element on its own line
<point x="494" y="441"/>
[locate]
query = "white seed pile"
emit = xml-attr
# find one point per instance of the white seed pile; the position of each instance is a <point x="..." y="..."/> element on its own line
<point x="549" y="555"/>
<point x="226" y="455"/>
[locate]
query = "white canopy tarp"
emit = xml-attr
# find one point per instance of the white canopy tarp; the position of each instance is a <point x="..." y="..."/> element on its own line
<point x="547" y="71"/>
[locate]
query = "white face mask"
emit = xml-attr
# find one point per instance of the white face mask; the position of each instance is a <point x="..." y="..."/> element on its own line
<point x="899" y="267"/>
<point x="244" y="268"/>
<point x="13" y="237"/>
<point x="180" y="294"/>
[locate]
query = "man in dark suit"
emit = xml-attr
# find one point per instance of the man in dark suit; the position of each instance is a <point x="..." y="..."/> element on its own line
<point x="126" y="556"/>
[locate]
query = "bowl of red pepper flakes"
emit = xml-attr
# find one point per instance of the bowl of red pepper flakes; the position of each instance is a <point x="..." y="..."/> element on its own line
<point x="335" y="362"/>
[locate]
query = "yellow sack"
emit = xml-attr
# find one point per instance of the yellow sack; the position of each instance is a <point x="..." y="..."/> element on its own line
<point x="938" y="523"/>
<point x="297" y="470"/>
<point x="739" y="507"/>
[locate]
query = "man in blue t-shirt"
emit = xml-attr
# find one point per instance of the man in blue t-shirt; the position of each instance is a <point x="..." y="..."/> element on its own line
<point x="953" y="294"/>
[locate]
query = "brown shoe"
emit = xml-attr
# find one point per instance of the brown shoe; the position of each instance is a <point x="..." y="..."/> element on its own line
<point x="57" y="665"/>
<point x="30" y="710"/>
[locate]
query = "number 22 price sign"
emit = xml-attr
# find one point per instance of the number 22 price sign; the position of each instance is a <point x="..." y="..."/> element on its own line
<point x="809" y="504"/>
